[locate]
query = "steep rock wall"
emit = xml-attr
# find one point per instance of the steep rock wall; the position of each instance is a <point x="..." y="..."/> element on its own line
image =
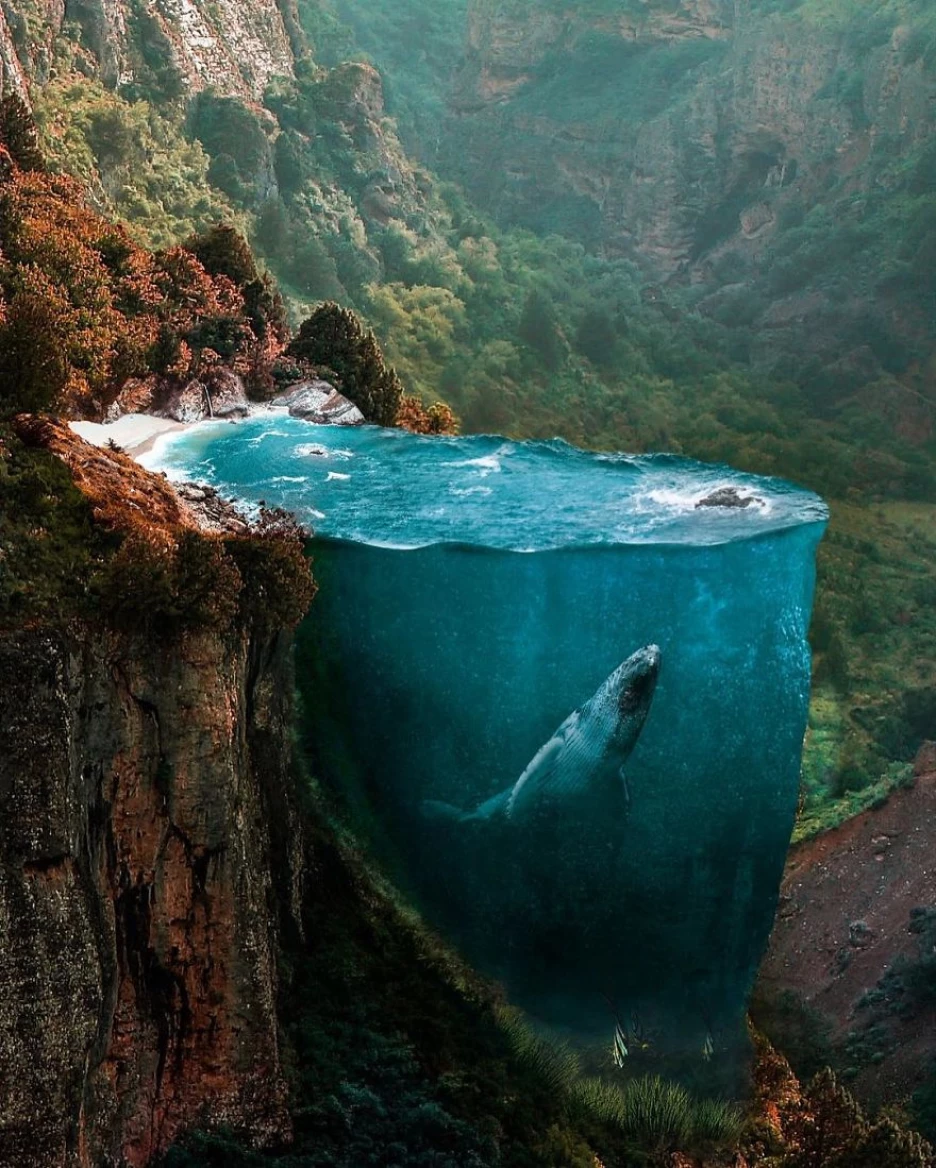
<point x="720" y="147"/>
<point x="147" y="835"/>
<point x="696" y="137"/>
<point x="235" y="48"/>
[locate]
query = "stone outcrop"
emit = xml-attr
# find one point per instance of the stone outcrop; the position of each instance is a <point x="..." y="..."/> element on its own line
<point x="221" y="396"/>
<point x="151" y="866"/>
<point x="233" y="47"/>
<point x="319" y="401"/>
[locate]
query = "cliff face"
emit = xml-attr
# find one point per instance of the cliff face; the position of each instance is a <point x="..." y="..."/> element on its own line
<point x="507" y="42"/>
<point x="698" y="122"/>
<point x="150" y="864"/>
<point x="698" y="137"/>
<point x="234" y="47"/>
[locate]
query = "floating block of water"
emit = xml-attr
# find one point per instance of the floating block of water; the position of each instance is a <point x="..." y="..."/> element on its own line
<point x="473" y="594"/>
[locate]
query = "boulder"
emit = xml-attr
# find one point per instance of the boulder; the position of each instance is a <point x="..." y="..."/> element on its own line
<point x="228" y="396"/>
<point x="188" y="404"/>
<point x="728" y="497"/>
<point x="138" y="396"/>
<point x="319" y="401"/>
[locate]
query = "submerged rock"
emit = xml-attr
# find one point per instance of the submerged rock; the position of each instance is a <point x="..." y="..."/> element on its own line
<point x="319" y="401"/>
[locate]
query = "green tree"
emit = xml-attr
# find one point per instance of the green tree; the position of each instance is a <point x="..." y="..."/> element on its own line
<point x="223" y="251"/>
<point x="596" y="337"/>
<point x="538" y="329"/>
<point x="334" y="336"/>
<point x="18" y="132"/>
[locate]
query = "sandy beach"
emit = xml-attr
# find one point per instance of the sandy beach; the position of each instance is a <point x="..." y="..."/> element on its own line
<point x="136" y="434"/>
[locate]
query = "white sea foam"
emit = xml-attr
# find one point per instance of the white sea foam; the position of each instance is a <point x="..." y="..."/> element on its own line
<point x="334" y="476"/>
<point x="463" y="491"/>
<point x="291" y="479"/>
<point x="311" y="450"/>
<point x="674" y="498"/>
<point x="487" y="464"/>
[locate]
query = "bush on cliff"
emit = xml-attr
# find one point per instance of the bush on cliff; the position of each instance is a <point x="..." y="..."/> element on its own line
<point x="18" y="133"/>
<point x="335" y="338"/>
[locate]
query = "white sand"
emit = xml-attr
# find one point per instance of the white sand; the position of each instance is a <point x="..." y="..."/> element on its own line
<point x="134" y="433"/>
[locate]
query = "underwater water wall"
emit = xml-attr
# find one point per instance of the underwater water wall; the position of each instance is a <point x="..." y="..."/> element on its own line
<point x="607" y="843"/>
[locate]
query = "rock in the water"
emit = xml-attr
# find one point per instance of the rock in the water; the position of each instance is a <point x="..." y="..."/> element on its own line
<point x="319" y="401"/>
<point x="212" y="512"/>
<point x="729" y="497"/>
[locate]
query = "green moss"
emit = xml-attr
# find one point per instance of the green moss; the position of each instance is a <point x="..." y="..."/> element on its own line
<point x="48" y="544"/>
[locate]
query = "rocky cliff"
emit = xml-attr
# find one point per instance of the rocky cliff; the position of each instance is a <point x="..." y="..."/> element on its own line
<point x="234" y="48"/>
<point x="692" y="123"/>
<point x="772" y="157"/>
<point x="150" y="863"/>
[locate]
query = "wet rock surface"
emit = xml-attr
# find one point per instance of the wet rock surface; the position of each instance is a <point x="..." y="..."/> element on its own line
<point x="319" y="401"/>
<point x="729" y="497"/>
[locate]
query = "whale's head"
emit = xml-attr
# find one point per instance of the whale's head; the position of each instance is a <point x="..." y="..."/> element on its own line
<point x="633" y="684"/>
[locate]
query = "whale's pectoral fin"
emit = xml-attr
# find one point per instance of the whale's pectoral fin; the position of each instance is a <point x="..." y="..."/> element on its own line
<point x="539" y="772"/>
<point x="447" y="812"/>
<point x="626" y="790"/>
<point x="549" y="775"/>
<point x="442" y="812"/>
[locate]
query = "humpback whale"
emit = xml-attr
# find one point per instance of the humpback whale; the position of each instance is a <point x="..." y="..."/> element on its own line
<point x="586" y="755"/>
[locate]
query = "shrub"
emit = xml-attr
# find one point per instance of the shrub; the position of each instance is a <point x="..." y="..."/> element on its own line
<point x="656" y="1113"/>
<point x="555" y="1064"/>
<point x="18" y="133"/>
<point x="435" y="419"/>
<point x="716" y="1122"/>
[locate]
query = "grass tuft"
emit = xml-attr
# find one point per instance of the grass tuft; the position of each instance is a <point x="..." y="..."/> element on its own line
<point x="555" y="1063"/>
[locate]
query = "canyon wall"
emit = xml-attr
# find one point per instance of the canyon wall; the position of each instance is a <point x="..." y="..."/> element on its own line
<point x="144" y="794"/>
<point x="773" y="159"/>
<point x="683" y="125"/>
<point x="150" y="869"/>
<point x="233" y="47"/>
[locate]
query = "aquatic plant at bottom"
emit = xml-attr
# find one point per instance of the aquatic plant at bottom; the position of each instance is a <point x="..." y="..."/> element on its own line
<point x="657" y="1114"/>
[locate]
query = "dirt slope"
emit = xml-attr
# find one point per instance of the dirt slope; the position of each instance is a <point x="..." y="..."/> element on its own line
<point x="851" y="930"/>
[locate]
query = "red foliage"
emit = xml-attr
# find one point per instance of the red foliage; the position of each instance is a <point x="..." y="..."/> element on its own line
<point x="84" y="308"/>
<point x="435" y="419"/>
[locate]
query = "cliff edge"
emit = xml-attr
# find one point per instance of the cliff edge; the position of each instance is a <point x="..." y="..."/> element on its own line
<point x="151" y="861"/>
